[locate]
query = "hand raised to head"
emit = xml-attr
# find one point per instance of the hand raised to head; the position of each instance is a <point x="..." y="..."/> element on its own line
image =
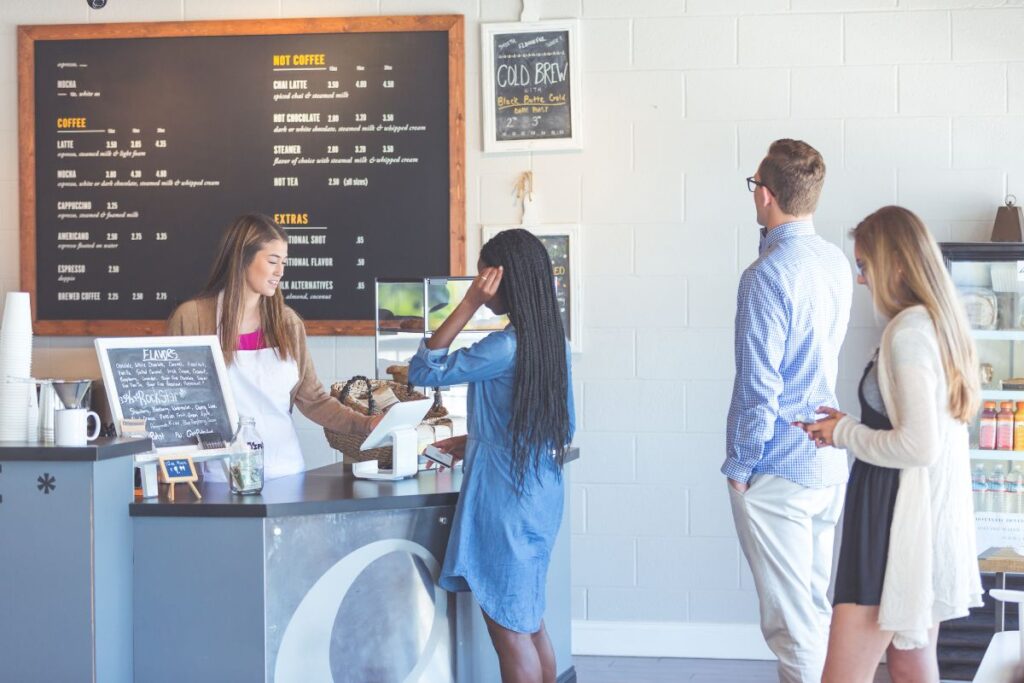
<point x="484" y="287"/>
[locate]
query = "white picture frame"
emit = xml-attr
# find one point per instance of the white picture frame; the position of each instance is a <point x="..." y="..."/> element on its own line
<point x="104" y="345"/>
<point x="521" y="121"/>
<point x="569" y="234"/>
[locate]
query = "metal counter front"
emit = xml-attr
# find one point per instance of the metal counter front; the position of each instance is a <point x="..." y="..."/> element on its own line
<point x="323" y="578"/>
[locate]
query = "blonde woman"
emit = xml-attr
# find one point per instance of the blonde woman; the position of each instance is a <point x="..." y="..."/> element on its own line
<point x="907" y="557"/>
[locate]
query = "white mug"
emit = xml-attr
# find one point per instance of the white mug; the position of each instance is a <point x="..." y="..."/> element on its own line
<point x="70" y="426"/>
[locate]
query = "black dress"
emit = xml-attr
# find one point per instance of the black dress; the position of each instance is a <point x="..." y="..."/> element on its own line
<point x="870" y="499"/>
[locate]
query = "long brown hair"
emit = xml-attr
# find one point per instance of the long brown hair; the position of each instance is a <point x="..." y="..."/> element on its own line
<point x="906" y="269"/>
<point x="243" y="239"/>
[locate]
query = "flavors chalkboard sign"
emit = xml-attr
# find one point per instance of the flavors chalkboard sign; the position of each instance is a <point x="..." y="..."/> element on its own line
<point x="141" y="142"/>
<point x="531" y="86"/>
<point x="177" y="384"/>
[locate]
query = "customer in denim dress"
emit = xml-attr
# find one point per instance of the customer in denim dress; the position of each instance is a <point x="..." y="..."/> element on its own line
<point x="520" y="423"/>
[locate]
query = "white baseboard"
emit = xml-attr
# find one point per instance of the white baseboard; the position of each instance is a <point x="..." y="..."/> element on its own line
<point x="669" y="639"/>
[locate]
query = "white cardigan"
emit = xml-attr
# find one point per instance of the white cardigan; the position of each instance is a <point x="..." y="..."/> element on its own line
<point x="932" y="570"/>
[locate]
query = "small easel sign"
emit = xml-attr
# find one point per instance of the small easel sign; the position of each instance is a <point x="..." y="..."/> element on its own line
<point x="178" y="469"/>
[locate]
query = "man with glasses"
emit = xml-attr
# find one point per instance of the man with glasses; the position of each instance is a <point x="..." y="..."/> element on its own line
<point x="792" y="310"/>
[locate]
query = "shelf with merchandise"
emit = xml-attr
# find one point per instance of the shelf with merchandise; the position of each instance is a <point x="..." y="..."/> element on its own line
<point x="985" y="454"/>
<point x="998" y="335"/>
<point x="1001" y="395"/>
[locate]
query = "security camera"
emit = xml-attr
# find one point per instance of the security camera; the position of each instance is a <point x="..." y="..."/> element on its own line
<point x="97" y="4"/>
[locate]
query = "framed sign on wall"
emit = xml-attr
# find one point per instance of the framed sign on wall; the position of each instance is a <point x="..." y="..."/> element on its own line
<point x="531" y="86"/>
<point x="563" y="244"/>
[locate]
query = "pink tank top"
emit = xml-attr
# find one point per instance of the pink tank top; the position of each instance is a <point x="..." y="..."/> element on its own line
<point x="251" y="342"/>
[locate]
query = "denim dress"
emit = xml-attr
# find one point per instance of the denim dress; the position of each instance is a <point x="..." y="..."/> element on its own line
<point x="501" y="542"/>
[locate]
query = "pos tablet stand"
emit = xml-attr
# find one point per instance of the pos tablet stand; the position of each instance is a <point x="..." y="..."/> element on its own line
<point x="398" y="427"/>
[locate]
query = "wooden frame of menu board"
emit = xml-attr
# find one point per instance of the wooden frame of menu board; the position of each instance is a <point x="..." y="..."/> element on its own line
<point x="31" y="269"/>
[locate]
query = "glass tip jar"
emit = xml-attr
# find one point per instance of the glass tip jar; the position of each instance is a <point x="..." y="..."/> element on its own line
<point x="245" y="463"/>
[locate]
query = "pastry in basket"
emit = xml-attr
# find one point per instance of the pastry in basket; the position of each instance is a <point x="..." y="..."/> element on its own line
<point x="399" y="373"/>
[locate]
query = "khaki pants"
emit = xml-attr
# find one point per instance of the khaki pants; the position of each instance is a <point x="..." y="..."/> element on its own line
<point x="787" y="533"/>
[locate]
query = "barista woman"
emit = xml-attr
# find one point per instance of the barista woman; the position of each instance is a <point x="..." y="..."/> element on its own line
<point x="264" y="344"/>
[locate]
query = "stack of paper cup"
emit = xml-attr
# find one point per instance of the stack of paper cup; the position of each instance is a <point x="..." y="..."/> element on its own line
<point x="15" y="365"/>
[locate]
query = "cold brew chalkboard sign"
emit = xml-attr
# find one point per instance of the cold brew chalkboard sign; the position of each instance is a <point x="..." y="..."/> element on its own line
<point x="177" y="384"/>
<point x="530" y="85"/>
<point x="141" y="142"/>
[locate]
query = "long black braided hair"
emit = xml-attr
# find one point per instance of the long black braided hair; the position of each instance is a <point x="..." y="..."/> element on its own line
<point x="539" y="424"/>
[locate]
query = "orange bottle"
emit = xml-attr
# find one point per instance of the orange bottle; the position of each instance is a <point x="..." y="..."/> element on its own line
<point x="1004" y="427"/>
<point x="1018" y="427"/>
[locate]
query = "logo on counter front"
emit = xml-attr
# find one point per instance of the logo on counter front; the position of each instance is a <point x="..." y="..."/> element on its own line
<point x="47" y="483"/>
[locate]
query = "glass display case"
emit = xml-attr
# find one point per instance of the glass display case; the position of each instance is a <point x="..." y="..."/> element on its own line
<point x="989" y="278"/>
<point x="409" y="310"/>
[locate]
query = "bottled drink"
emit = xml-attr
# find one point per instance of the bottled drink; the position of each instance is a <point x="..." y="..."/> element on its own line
<point x="1018" y="427"/>
<point x="997" y="482"/>
<point x="987" y="429"/>
<point x="978" y="481"/>
<point x="1004" y="427"/>
<point x="1015" y="480"/>
<point x="246" y="460"/>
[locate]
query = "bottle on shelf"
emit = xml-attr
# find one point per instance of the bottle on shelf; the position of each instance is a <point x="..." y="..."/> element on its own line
<point x="1015" y="480"/>
<point x="1018" y="427"/>
<point x="1004" y="427"/>
<point x="979" y="483"/>
<point x="997" y="480"/>
<point x="987" y="427"/>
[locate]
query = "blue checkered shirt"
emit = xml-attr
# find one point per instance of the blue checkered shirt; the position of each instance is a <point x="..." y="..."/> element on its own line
<point x="792" y="310"/>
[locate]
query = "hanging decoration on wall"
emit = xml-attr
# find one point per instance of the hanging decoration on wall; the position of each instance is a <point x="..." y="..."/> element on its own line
<point x="563" y="244"/>
<point x="531" y="84"/>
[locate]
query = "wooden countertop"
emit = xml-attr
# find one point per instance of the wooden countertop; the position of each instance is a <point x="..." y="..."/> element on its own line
<point x="1002" y="561"/>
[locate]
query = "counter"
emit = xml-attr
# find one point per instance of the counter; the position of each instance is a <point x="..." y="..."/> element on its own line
<point x="322" y="577"/>
<point x="66" y="546"/>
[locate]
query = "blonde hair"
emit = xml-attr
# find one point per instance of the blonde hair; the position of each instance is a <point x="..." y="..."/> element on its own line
<point x="243" y="239"/>
<point x="906" y="270"/>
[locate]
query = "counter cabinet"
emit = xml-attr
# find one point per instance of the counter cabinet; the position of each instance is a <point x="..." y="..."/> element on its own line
<point x="322" y="578"/>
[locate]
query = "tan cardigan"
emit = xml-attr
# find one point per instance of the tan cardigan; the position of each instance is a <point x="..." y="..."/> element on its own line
<point x="199" y="316"/>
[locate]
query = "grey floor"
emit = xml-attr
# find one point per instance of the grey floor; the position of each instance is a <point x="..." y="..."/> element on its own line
<point x="671" y="670"/>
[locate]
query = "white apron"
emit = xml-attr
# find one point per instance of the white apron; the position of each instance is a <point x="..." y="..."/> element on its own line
<point x="262" y="383"/>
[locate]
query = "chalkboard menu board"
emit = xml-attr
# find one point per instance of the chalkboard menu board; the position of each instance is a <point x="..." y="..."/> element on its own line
<point x="177" y="384"/>
<point x="530" y="86"/>
<point x="141" y="143"/>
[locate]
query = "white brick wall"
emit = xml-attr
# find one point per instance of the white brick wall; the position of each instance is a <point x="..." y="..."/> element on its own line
<point x="919" y="102"/>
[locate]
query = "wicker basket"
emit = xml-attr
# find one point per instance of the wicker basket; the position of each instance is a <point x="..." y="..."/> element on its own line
<point x="357" y="394"/>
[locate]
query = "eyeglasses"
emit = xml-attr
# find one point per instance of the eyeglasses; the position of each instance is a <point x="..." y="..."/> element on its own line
<point x="753" y="184"/>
